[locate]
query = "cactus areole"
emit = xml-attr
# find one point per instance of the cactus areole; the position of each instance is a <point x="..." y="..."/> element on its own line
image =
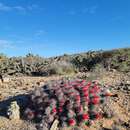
<point x="70" y="102"/>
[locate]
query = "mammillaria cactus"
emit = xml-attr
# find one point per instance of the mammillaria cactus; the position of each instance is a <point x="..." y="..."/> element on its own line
<point x="70" y="102"/>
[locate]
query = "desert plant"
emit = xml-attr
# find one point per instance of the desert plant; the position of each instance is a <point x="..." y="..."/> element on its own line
<point x="61" y="68"/>
<point x="70" y="101"/>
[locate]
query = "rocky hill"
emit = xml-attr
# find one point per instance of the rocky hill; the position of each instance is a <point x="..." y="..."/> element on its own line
<point x="34" y="65"/>
<point x="21" y="75"/>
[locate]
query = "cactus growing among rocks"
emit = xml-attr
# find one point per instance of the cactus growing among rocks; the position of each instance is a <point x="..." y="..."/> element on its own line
<point x="70" y="102"/>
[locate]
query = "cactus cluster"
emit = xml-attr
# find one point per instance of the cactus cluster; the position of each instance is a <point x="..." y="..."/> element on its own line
<point x="71" y="102"/>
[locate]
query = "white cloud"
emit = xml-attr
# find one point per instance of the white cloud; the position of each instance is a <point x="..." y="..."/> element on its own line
<point x="5" y="44"/>
<point x="40" y="33"/>
<point x="4" y="7"/>
<point x="19" y="8"/>
<point x="88" y="10"/>
<point x="7" y="8"/>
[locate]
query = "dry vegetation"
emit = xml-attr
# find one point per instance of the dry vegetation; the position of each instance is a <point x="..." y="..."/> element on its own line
<point x="26" y="73"/>
<point x="31" y="65"/>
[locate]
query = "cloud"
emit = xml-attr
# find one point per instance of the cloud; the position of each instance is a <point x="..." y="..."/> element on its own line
<point x="32" y="7"/>
<point x="92" y="10"/>
<point x="19" y="8"/>
<point x="4" y="7"/>
<point x="7" y="8"/>
<point x="5" y="44"/>
<point x="40" y="33"/>
<point x="87" y="10"/>
<point x="72" y="12"/>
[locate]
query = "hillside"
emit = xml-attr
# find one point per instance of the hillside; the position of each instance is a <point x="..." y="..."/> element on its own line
<point x="22" y="75"/>
<point x="34" y="65"/>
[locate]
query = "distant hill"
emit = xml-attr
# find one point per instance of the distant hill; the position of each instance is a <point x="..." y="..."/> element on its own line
<point x="34" y="65"/>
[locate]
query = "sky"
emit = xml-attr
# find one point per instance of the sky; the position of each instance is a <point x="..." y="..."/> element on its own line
<point x="55" y="27"/>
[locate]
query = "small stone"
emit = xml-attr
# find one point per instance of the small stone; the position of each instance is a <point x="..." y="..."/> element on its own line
<point x="42" y="127"/>
<point x="115" y="127"/>
<point x="128" y="88"/>
<point x="128" y="82"/>
<point x="13" y="111"/>
<point x="107" y="112"/>
<point x="77" y="128"/>
<point x="54" y="125"/>
<point x="47" y="110"/>
<point x="6" y="80"/>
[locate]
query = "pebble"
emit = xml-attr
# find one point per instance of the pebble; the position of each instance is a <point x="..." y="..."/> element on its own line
<point x="77" y="128"/>
<point x="116" y="127"/>
<point x="13" y="111"/>
<point x="108" y="113"/>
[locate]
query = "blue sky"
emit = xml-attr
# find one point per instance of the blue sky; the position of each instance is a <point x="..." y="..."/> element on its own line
<point x="55" y="27"/>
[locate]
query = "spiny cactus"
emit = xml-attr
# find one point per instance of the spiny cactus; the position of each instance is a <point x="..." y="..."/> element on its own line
<point x="71" y="102"/>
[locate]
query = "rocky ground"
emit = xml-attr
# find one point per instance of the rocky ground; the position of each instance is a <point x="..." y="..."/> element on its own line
<point x="117" y="110"/>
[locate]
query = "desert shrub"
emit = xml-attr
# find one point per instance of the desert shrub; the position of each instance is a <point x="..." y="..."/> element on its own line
<point x="98" y="68"/>
<point x="61" y="68"/>
<point x="3" y="63"/>
<point x="124" y="67"/>
<point x="87" y="61"/>
<point x="2" y="56"/>
<point x="35" y="65"/>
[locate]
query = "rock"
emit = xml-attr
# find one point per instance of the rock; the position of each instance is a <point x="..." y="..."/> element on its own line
<point x="54" y="125"/>
<point x="42" y="83"/>
<point x="6" y="80"/>
<point x="47" y="110"/>
<point x="128" y="88"/>
<point x="13" y="111"/>
<point x="77" y="128"/>
<point x="41" y="127"/>
<point x="115" y="127"/>
<point x="107" y="112"/>
<point x="128" y="82"/>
